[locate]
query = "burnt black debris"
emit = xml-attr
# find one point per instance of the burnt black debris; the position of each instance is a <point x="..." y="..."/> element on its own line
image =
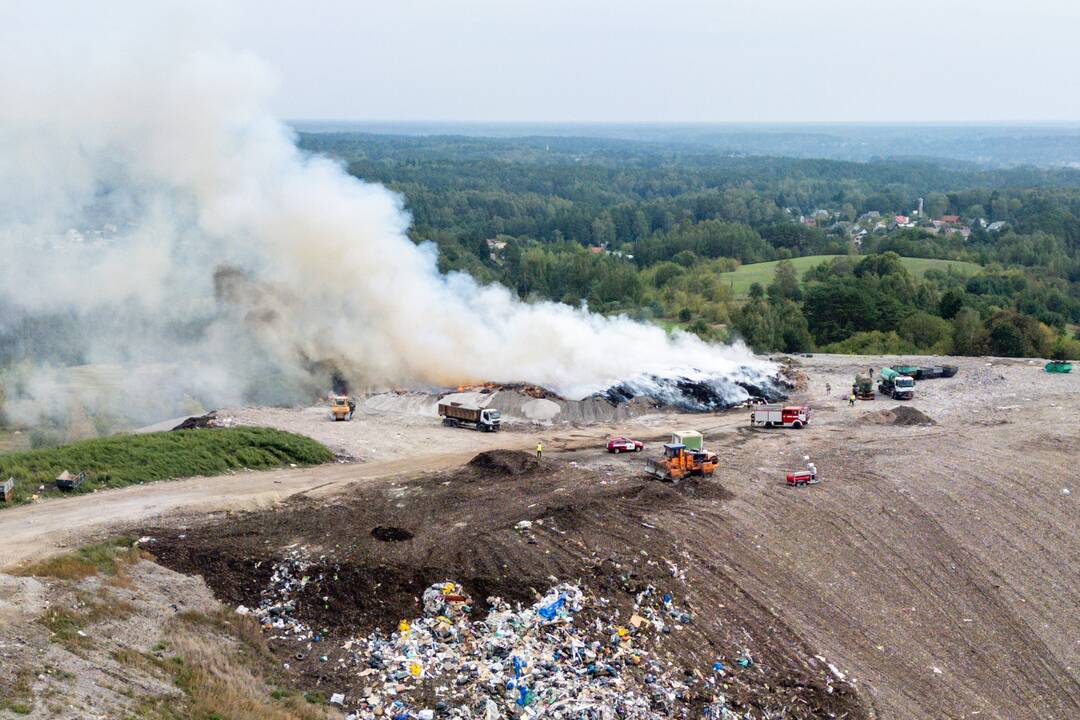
<point x="391" y="534"/>
<point x="696" y="394"/>
<point x="199" y="421"/>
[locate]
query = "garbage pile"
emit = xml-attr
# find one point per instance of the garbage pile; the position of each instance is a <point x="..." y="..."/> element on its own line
<point x="570" y="655"/>
<point x="209" y="420"/>
<point x="697" y="391"/>
<point x="558" y="658"/>
<point x="278" y="601"/>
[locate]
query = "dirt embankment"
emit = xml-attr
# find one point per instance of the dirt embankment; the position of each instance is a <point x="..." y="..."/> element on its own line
<point x="507" y="526"/>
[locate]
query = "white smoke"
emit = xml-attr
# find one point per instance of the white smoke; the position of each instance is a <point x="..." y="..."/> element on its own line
<point x="153" y="210"/>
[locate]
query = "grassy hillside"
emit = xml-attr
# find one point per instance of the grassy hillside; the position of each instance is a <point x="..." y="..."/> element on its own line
<point x="127" y="459"/>
<point x="741" y="280"/>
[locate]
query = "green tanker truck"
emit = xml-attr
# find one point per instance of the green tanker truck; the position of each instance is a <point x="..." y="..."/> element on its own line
<point x="895" y="385"/>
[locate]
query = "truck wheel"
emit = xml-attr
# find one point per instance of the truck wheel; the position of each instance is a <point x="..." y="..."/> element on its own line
<point x="797" y="425"/>
<point x="617" y="451"/>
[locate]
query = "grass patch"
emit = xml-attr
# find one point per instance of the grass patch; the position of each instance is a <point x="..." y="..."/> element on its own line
<point x="123" y="460"/>
<point x="104" y="558"/>
<point x="746" y="275"/>
<point x="221" y="663"/>
<point x="17" y="695"/>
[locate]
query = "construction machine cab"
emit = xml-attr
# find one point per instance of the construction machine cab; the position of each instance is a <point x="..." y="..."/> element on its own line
<point x="673" y="450"/>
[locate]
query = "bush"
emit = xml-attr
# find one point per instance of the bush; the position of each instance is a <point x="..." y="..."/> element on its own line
<point x="928" y="332"/>
<point x="874" y="342"/>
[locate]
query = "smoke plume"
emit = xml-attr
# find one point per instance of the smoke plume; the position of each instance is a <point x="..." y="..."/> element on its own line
<point x="158" y="221"/>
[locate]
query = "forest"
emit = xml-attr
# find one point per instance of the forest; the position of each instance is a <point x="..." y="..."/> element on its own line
<point x="654" y="230"/>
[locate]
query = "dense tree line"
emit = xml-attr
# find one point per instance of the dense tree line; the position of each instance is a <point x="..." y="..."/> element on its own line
<point x="648" y="228"/>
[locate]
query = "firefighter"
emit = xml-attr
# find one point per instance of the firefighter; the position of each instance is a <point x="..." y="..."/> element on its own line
<point x="539" y="449"/>
<point x="828" y="388"/>
<point x="851" y="399"/>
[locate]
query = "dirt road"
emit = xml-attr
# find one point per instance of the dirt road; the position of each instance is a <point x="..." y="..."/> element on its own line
<point x="38" y="530"/>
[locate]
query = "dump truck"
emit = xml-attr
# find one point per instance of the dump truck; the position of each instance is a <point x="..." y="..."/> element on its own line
<point x="793" y="416"/>
<point x="455" y="414"/>
<point x="863" y="387"/>
<point x="342" y="408"/>
<point x="680" y="461"/>
<point x="895" y="385"/>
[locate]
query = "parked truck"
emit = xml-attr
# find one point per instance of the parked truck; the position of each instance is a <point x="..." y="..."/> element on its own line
<point x="456" y="414"/>
<point x="863" y="387"/>
<point x="926" y="372"/>
<point x="895" y="385"/>
<point x="793" y="416"/>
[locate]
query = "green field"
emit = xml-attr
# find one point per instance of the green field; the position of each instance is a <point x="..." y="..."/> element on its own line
<point x="741" y="279"/>
<point x="122" y="460"/>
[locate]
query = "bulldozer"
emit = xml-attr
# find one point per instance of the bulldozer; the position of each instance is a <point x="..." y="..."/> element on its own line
<point x="342" y="407"/>
<point x="680" y="461"/>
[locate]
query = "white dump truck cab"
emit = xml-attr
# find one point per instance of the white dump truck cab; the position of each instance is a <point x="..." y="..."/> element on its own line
<point x="491" y="418"/>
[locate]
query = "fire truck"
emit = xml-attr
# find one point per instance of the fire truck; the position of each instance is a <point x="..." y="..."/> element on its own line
<point x="795" y="416"/>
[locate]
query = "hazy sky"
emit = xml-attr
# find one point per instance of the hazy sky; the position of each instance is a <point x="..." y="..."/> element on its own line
<point x="664" y="60"/>
<point x="672" y="60"/>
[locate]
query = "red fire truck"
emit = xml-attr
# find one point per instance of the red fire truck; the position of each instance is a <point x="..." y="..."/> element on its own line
<point x="796" y="416"/>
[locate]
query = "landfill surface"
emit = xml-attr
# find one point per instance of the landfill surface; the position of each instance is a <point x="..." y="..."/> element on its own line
<point x="571" y="601"/>
<point x="931" y="572"/>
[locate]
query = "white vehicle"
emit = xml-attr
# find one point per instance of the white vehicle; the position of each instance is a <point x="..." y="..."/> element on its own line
<point x="794" y="416"/>
<point x="460" y="415"/>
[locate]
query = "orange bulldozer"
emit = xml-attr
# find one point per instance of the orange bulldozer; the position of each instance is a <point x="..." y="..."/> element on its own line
<point x="680" y="461"/>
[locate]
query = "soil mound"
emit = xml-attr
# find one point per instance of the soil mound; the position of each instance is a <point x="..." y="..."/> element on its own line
<point x="504" y="462"/>
<point x="901" y="415"/>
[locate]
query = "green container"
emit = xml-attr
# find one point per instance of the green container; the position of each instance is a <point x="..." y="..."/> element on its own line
<point x="1058" y="366"/>
<point x="690" y="438"/>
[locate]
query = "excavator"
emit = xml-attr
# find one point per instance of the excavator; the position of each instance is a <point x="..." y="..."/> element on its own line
<point x="680" y="461"/>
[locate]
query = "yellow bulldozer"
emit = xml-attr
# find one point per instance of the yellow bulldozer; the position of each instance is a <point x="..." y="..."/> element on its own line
<point x="342" y="407"/>
<point x="680" y="461"/>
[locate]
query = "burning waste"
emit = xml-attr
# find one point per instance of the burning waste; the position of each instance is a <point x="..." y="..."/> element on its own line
<point x="245" y="269"/>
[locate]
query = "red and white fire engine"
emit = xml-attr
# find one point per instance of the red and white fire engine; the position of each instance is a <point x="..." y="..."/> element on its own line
<point x="796" y="416"/>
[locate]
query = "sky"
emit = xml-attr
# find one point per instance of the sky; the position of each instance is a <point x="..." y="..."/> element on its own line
<point x="668" y="61"/>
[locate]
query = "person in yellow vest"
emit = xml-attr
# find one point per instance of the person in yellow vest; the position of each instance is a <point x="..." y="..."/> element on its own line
<point x="851" y="399"/>
<point x="539" y="449"/>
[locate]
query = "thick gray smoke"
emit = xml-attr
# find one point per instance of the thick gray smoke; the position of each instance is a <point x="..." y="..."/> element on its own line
<point x="157" y="220"/>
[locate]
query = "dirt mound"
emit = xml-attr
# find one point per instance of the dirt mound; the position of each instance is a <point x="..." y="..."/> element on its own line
<point x="900" y="415"/>
<point x="504" y="462"/>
